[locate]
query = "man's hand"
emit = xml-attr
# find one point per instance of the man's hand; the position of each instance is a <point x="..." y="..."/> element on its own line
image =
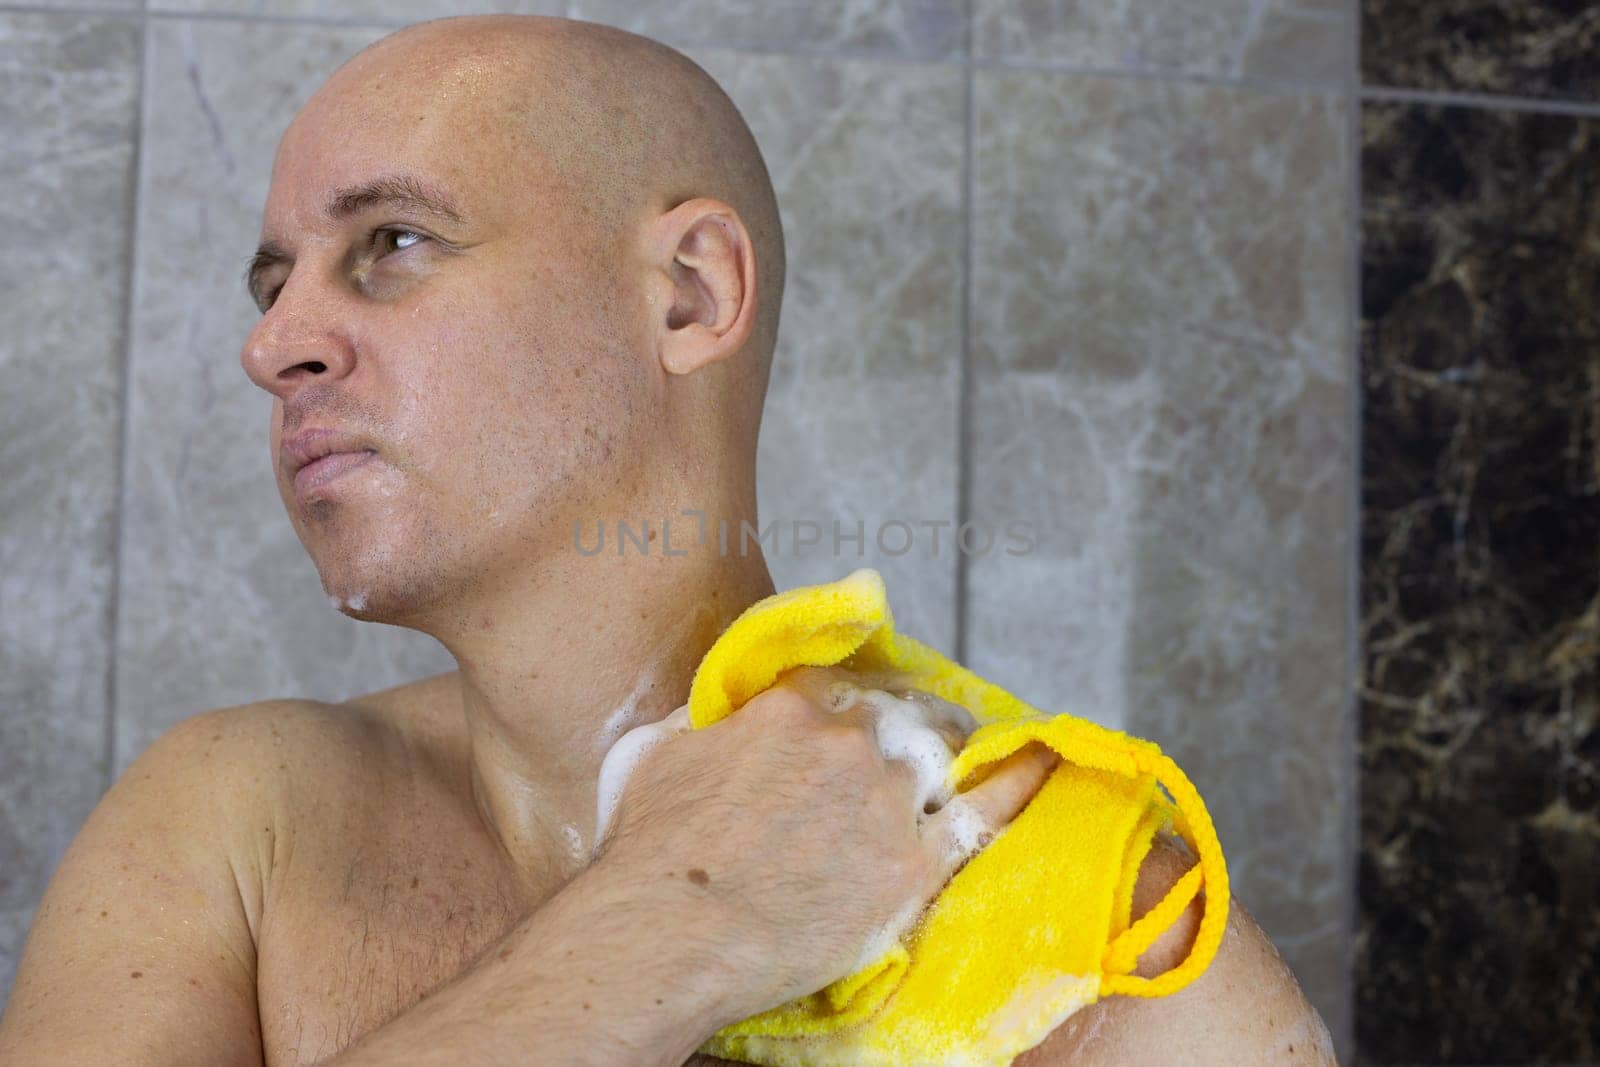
<point x="786" y="819"/>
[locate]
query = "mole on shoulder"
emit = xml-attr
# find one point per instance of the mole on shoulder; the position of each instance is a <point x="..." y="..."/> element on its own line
<point x="698" y="876"/>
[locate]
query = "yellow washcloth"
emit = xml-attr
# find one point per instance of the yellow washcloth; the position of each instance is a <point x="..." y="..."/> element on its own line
<point x="1033" y="927"/>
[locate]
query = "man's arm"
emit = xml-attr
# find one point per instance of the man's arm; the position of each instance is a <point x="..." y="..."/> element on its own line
<point x="1245" y="1010"/>
<point x="606" y="972"/>
<point x="141" y="950"/>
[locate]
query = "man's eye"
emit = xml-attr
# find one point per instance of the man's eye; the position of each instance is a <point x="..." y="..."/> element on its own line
<point x="381" y="238"/>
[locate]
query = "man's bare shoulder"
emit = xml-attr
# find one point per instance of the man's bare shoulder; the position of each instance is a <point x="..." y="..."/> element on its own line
<point x="249" y="751"/>
<point x="1247" y="1009"/>
<point x="144" y="945"/>
<point x="298" y="734"/>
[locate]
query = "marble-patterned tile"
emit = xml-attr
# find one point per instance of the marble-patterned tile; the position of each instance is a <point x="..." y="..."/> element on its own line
<point x="69" y="111"/>
<point x="220" y="603"/>
<point x="908" y="29"/>
<point x="1544" y="49"/>
<point x="1160" y="306"/>
<point x="860" y="418"/>
<point x="1300" y="46"/>
<point x="390" y="13"/>
<point x="1304" y="42"/>
<point x="1480" y="589"/>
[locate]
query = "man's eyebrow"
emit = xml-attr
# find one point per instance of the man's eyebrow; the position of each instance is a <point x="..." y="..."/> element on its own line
<point x="390" y="190"/>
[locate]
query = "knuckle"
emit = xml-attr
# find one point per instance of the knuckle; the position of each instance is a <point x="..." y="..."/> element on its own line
<point x="785" y="703"/>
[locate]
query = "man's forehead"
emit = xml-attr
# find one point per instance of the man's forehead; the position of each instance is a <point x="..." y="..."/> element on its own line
<point x="324" y="183"/>
<point x="441" y="133"/>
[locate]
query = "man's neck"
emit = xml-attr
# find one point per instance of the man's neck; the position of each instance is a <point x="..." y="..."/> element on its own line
<point x="588" y="654"/>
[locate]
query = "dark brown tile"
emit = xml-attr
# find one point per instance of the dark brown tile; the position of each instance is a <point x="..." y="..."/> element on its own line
<point x="1548" y="49"/>
<point x="1480" y="788"/>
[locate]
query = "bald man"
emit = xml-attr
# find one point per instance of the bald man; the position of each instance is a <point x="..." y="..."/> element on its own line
<point x="519" y="273"/>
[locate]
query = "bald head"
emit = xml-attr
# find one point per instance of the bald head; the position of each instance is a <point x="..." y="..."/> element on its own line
<point x="534" y="266"/>
<point x="623" y="125"/>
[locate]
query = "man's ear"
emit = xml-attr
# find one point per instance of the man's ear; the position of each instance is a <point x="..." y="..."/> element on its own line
<point x="702" y="284"/>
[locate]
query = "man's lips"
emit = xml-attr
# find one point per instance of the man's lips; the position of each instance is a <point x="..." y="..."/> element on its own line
<point x="320" y="472"/>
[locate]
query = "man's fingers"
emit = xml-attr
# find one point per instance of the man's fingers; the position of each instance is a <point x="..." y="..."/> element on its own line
<point x="970" y="820"/>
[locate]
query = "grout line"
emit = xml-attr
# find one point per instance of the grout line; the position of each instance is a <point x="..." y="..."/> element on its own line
<point x="1355" y="666"/>
<point x="1454" y="99"/>
<point x="964" y="369"/>
<point x="72" y="8"/>
<point x="1159" y="74"/>
<point x="43" y="9"/>
<point x="365" y="23"/>
<point x="131" y="261"/>
<point x="1252" y="23"/>
<point x="1480" y="100"/>
<point x="681" y="43"/>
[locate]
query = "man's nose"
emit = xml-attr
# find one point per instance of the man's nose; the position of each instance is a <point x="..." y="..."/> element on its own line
<point x="304" y="336"/>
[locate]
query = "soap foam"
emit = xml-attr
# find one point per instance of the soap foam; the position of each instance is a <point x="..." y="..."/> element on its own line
<point x="575" y="847"/>
<point x="900" y="927"/>
<point x="1040" y="1003"/>
<point x="623" y="757"/>
<point x="622" y="717"/>
<point x="919" y="729"/>
<point x="969" y="831"/>
<point x="914" y="727"/>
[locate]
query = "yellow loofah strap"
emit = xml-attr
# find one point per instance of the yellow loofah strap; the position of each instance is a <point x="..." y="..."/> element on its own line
<point x="1210" y="872"/>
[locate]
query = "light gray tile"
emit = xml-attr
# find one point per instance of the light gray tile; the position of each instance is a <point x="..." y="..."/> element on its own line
<point x="379" y="12"/>
<point x="1160" y="308"/>
<point x="913" y="29"/>
<point x="1121" y="33"/>
<point x="1306" y="42"/>
<point x="1047" y="616"/>
<point x="1299" y="47"/>
<point x="860" y="420"/>
<point x="68" y="86"/>
<point x="221" y="604"/>
<point x="814" y="436"/>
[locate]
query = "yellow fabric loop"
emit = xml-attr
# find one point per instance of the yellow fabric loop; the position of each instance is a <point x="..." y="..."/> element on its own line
<point x="1211" y="872"/>
<point x="1033" y="927"/>
<point x="1122" y="955"/>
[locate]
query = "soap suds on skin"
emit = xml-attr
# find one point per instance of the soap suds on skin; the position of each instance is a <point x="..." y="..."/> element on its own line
<point x="908" y="731"/>
<point x="358" y="602"/>
<point x="575" y="847"/>
<point x="914" y="727"/>
<point x="1039" y="1004"/>
<point x="621" y="760"/>
<point x="623" y="718"/>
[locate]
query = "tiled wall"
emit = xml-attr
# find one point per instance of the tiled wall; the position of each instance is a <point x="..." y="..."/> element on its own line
<point x="1480" y="585"/>
<point x="1091" y="266"/>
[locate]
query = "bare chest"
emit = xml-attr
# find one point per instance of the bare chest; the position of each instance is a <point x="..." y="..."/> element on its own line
<point x="355" y="951"/>
<point x="353" y="937"/>
<point x="373" y="907"/>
